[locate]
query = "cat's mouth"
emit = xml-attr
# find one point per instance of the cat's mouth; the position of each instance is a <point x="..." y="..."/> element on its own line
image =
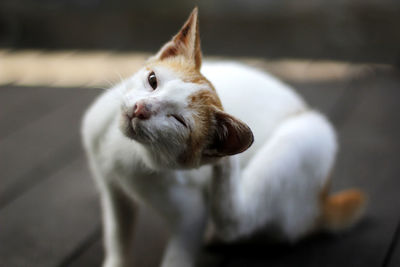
<point x="137" y="131"/>
<point x="126" y="127"/>
<point x="136" y="128"/>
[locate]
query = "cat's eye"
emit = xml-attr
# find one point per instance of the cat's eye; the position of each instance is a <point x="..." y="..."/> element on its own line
<point x="179" y="118"/>
<point x="152" y="79"/>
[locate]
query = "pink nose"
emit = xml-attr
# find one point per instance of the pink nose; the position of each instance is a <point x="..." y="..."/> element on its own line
<point x="141" y="110"/>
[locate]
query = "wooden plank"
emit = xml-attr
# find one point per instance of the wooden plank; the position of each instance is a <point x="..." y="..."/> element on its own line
<point x="42" y="145"/>
<point x="22" y="105"/>
<point x="45" y="224"/>
<point x="91" y="257"/>
<point x="368" y="160"/>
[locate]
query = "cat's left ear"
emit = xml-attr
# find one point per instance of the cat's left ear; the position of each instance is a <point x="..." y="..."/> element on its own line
<point x="185" y="43"/>
<point x="231" y="136"/>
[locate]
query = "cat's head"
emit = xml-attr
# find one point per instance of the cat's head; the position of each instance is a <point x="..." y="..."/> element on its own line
<point x="174" y="111"/>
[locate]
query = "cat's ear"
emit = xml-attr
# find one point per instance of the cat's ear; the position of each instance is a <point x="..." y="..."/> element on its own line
<point x="185" y="43"/>
<point x="231" y="136"/>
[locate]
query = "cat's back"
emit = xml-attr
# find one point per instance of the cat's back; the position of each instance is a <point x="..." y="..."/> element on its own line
<point x="247" y="89"/>
<point x="255" y="97"/>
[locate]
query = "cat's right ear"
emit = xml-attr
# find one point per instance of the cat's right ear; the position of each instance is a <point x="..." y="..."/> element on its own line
<point x="231" y="136"/>
<point x="185" y="43"/>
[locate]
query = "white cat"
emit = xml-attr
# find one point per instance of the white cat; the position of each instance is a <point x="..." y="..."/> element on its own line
<point x="167" y="137"/>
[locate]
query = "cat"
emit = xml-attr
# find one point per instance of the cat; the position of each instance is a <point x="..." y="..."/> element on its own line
<point x="221" y="143"/>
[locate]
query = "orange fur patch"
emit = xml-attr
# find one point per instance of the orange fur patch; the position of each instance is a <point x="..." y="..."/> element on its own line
<point x="185" y="70"/>
<point x="202" y="103"/>
<point x="204" y="98"/>
<point x="343" y="209"/>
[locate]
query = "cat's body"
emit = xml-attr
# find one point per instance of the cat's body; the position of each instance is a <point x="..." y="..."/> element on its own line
<point x="188" y="173"/>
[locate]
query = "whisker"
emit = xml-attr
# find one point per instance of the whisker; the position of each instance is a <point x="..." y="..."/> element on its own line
<point x="121" y="79"/>
<point x="95" y="88"/>
<point x="111" y="83"/>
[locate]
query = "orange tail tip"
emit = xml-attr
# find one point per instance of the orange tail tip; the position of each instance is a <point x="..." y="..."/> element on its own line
<point x="342" y="210"/>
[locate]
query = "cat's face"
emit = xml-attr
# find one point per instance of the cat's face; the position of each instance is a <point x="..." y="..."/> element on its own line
<point x="174" y="112"/>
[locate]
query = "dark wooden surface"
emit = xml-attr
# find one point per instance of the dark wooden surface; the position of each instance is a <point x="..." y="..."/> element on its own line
<point x="49" y="211"/>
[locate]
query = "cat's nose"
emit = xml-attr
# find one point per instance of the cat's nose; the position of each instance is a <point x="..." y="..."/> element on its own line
<point x="142" y="110"/>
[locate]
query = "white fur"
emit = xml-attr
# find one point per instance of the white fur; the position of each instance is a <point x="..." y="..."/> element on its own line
<point x="274" y="183"/>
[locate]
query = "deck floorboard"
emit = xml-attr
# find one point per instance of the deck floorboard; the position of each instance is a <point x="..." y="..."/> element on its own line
<point x="45" y="224"/>
<point x="42" y="145"/>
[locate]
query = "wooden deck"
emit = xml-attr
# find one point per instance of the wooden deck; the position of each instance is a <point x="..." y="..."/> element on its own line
<point x="49" y="211"/>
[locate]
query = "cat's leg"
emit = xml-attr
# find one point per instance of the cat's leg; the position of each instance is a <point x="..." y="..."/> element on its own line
<point x="282" y="183"/>
<point x="118" y="224"/>
<point x="183" y="245"/>
<point x="186" y="213"/>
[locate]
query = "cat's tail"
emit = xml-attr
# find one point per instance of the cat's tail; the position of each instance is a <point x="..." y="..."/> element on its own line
<point x="342" y="210"/>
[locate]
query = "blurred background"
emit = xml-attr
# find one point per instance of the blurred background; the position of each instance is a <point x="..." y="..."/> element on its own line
<point x="355" y="30"/>
<point x="56" y="56"/>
